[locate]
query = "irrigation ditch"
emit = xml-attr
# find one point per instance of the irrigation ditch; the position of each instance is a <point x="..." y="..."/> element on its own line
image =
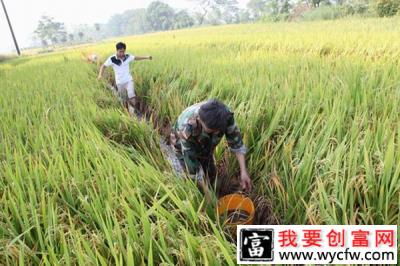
<point x="226" y="184"/>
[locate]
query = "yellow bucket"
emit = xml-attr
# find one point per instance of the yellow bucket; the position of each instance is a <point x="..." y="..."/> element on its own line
<point x="236" y="202"/>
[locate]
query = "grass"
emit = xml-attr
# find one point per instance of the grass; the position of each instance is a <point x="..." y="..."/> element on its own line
<point x="82" y="183"/>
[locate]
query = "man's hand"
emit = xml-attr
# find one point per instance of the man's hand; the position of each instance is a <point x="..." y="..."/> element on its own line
<point x="145" y="57"/>
<point x="245" y="181"/>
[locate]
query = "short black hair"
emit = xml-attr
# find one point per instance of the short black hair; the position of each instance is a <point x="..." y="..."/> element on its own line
<point x="215" y="115"/>
<point x="120" y="46"/>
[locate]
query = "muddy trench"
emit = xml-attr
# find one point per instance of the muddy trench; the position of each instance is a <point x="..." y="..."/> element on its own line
<point x="224" y="185"/>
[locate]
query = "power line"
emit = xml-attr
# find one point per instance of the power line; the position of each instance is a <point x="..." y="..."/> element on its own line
<point x="11" y="29"/>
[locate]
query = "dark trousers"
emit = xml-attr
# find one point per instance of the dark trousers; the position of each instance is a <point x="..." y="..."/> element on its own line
<point x="209" y="168"/>
<point x="208" y="165"/>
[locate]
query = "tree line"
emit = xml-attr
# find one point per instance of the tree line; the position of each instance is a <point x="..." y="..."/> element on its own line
<point x="159" y="16"/>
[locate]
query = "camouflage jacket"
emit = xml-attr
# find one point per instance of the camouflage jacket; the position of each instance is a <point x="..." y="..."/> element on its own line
<point x="192" y="144"/>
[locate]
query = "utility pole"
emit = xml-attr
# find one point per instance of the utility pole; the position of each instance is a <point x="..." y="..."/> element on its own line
<point x="11" y="29"/>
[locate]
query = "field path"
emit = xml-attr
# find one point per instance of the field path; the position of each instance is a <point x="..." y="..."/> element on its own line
<point x="166" y="149"/>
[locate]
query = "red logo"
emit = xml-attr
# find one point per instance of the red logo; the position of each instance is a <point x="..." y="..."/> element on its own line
<point x="287" y="238"/>
<point x="312" y="238"/>
<point x="336" y="238"/>
<point x="384" y="237"/>
<point x="360" y="238"/>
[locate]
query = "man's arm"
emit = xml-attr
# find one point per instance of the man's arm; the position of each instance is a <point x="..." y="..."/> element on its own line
<point x="101" y="72"/>
<point x="235" y="143"/>
<point x="245" y="180"/>
<point x="138" y="58"/>
<point x="107" y="63"/>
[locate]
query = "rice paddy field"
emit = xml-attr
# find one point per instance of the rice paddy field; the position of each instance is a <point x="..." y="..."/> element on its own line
<point x="83" y="183"/>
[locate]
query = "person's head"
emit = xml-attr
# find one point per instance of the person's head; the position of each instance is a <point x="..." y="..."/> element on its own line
<point x="214" y="116"/>
<point x="121" y="47"/>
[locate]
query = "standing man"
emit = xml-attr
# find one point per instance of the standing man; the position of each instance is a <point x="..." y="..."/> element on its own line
<point x="123" y="78"/>
<point x="198" y="131"/>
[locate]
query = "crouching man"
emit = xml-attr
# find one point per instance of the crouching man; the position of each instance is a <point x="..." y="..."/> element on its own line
<point x="195" y="135"/>
<point x="123" y="78"/>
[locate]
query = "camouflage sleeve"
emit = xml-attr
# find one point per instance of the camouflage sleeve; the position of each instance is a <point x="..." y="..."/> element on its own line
<point x="234" y="138"/>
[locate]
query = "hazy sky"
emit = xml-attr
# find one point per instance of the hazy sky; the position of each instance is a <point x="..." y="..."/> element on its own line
<point x="24" y="14"/>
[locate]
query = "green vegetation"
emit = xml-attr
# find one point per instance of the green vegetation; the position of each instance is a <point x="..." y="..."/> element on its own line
<point x="81" y="183"/>
<point x="387" y="8"/>
<point x="159" y="16"/>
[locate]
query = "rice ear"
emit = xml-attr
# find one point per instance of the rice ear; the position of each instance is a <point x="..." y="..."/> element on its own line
<point x="264" y="213"/>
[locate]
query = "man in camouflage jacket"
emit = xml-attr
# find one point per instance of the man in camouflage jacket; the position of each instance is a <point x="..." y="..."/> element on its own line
<point x="198" y="131"/>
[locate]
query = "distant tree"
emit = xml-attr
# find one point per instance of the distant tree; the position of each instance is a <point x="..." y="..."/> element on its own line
<point x="298" y="10"/>
<point x="133" y="21"/>
<point x="81" y="34"/>
<point x="217" y="11"/>
<point x="351" y="7"/>
<point x="257" y="8"/>
<point x="115" y="25"/>
<point x="205" y="6"/>
<point x="274" y="7"/>
<point x="89" y="32"/>
<point x="54" y="40"/>
<point x="49" y="30"/>
<point x="229" y="11"/>
<point x="64" y="38"/>
<point x="71" y="37"/>
<point x="244" y="15"/>
<point x="285" y="7"/>
<point x="278" y="9"/>
<point x="387" y="8"/>
<point x="317" y="3"/>
<point x="136" y="22"/>
<point x="182" y="19"/>
<point x="214" y="17"/>
<point x="160" y="16"/>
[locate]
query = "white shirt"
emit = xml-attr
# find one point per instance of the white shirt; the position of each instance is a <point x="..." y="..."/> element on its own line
<point x="121" y="68"/>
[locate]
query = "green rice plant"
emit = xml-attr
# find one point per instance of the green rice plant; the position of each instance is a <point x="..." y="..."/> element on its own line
<point x="81" y="182"/>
